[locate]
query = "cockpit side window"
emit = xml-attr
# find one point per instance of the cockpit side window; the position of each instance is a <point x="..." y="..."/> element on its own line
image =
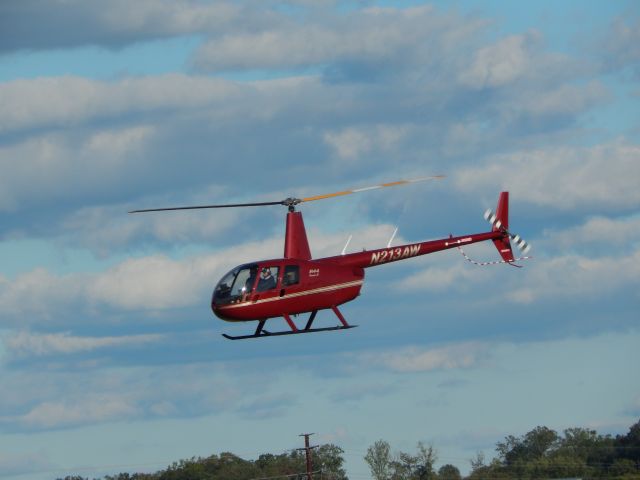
<point x="235" y="284"/>
<point x="244" y="281"/>
<point x="291" y="275"/>
<point x="268" y="278"/>
<point x="223" y="290"/>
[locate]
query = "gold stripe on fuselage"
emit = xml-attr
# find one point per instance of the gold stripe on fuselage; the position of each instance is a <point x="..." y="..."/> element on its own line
<point x="328" y="288"/>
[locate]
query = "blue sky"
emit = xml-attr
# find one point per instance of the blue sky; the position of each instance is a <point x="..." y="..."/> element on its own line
<point x="110" y="359"/>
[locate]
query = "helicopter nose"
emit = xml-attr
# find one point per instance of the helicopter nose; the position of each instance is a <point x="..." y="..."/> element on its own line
<point x="213" y="302"/>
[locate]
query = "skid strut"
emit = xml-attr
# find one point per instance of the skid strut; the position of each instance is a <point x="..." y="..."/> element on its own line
<point x="260" y="332"/>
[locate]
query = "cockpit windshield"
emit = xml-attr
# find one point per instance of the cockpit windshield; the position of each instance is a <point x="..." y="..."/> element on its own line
<point x="236" y="284"/>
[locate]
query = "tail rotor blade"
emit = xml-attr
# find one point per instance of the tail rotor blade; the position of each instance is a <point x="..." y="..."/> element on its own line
<point x="492" y="218"/>
<point x="522" y="245"/>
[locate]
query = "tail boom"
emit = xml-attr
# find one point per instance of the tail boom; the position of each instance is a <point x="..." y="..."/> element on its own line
<point x="372" y="258"/>
<point x="499" y="235"/>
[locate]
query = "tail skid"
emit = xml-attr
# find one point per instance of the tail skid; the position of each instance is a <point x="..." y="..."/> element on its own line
<point x="495" y="262"/>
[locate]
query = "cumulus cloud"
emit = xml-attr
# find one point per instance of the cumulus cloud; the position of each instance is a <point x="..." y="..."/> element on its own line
<point x="54" y="166"/>
<point x="24" y="343"/>
<point x="72" y="23"/>
<point x="39" y="293"/>
<point x="563" y="178"/>
<point x="621" y="46"/>
<point x="58" y="399"/>
<point x="367" y="37"/>
<point x="267" y="406"/>
<point x="414" y="359"/>
<point x="92" y="409"/>
<point x="501" y="63"/>
<point x="564" y="100"/>
<point x="599" y="231"/>
<point x="580" y="277"/>
<point x="71" y="101"/>
<point x="443" y="278"/>
<point x="352" y="142"/>
<point x="106" y="229"/>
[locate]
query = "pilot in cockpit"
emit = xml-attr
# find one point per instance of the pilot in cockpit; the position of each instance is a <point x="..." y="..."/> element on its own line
<point x="248" y="285"/>
<point x="267" y="280"/>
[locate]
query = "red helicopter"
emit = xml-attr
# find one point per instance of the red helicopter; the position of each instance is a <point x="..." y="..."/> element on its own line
<point x="296" y="283"/>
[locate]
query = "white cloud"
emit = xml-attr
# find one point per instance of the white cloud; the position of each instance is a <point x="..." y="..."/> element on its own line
<point x="166" y="16"/>
<point x="414" y="359"/>
<point x="501" y="63"/>
<point x="43" y="168"/>
<point x="577" y="276"/>
<point x="104" y="229"/>
<point x="39" y="293"/>
<point x="63" y="101"/>
<point x="367" y="36"/>
<point x="563" y="178"/>
<point x="56" y="398"/>
<point x="353" y="142"/>
<point x="71" y="23"/>
<point x="602" y="231"/>
<point x="621" y="47"/>
<point x="25" y="343"/>
<point x="155" y="282"/>
<point x="564" y="99"/>
<point x="94" y="408"/>
<point x="443" y="278"/>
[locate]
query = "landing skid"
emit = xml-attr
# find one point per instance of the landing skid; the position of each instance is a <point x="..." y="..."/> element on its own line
<point x="260" y="332"/>
<point x="265" y="333"/>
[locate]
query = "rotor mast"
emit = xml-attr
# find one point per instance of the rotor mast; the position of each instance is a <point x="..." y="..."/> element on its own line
<point x="296" y="244"/>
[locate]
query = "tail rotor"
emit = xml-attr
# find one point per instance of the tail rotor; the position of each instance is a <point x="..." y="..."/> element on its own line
<point x="493" y="219"/>
<point x="500" y="223"/>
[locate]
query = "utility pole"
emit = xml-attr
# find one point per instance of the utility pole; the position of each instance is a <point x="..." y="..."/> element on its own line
<point x="307" y="450"/>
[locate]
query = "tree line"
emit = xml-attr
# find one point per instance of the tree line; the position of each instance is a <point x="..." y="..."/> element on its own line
<point x="541" y="453"/>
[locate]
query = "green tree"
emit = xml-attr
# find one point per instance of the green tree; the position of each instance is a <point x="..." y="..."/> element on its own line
<point x="378" y="458"/>
<point x="515" y="451"/>
<point x="427" y="458"/>
<point x="404" y="466"/>
<point x="628" y="446"/>
<point x="449" y="472"/>
<point x="329" y="460"/>
<point x="477" y="462"/>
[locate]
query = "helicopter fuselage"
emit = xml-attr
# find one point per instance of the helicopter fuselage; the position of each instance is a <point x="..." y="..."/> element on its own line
<point x="298" y="286"/>
<point x="294" y="286"/>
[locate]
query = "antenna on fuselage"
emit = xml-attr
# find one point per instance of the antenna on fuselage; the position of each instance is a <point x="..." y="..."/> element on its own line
<point x="346" y="245"/>
<point x="393" y="235"/>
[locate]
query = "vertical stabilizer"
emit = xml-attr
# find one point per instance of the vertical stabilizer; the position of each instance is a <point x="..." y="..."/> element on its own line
<point x="295" y="242"/>
<point x="502" y="213"/>
<point x="500" y="222"/>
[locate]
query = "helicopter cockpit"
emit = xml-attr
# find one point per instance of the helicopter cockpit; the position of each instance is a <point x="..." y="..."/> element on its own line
<point x="235" y="285"/>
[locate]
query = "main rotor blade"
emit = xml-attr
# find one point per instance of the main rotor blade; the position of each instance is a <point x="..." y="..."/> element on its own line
<point x="374" y="187"/>
<point x="290" y="202"/>
<point x="227" y="205"/>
